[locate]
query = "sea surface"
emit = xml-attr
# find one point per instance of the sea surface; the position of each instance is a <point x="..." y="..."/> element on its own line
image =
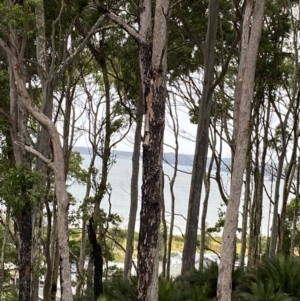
<point x="119" y="180"/>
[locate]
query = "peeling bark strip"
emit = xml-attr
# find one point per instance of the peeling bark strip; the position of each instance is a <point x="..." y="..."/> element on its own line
<point x="98" y="260"/>
<point x="153" y="65"/>
<point x="153" y="68"/>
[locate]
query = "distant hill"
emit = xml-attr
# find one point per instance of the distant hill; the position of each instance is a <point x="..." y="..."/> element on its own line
<point x="184" y="160"/>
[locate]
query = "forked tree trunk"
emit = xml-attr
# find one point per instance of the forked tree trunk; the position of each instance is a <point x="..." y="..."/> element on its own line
<point x="57" y="165"/>
<point x="242" y="126"/>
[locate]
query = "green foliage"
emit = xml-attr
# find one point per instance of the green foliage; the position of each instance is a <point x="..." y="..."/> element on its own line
<point x="264" y="292"/>
<point x="281" y="276"/>
<point x="4" y="88"/>
<point x="276" y="142"/>
<point x="187" y="21"/>
<point x="170" y="290"/>
<point x="75" y="170"/>
<point x="119" y="289"/>
<point x="272" y="60"/>
<point x="20" y="189"/>
<point x="20" y="17"/>
<point x="217" y="228"/>
<point x="288" y="228"/>
<point x="10" y="252"/>
<point x="207" y="279"/>
<point x="10" y="294"/>
<point x="275" y="279"/>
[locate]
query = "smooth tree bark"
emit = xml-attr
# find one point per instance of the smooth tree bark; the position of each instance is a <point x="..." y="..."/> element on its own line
<point x="247" y="201"/>
<point x="242" y="128"/>
<point x="163" y="230"/>
<point x="173" y="113"/>
<point x="201" y="146"/>
<point x="134" y="191"/>
<point x="207" y="179"/>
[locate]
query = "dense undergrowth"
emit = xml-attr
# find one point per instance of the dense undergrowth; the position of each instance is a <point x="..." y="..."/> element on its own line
<point x="274" y="279"/>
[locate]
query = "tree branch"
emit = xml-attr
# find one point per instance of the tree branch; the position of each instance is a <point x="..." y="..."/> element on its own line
<point x="130" y="30"/>
<point x="64" y="65"/>
<point x="36" y="153"/>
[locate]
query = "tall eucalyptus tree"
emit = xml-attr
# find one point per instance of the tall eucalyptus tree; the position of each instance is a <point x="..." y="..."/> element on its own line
<point x="241" y="132"/>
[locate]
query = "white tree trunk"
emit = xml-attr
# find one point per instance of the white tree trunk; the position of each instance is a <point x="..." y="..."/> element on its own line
<point x="243" y="124"/>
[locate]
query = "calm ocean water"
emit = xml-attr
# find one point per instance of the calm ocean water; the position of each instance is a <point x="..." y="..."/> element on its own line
<point x="119" y="179"/>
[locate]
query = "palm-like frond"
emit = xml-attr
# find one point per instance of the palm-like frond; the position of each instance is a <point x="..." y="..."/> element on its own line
<point x="264" y="292"/>
<point x="283" y="273"/>
<point x="120" y="289"/>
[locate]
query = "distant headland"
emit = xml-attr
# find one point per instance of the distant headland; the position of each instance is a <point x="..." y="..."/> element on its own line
<point x="169" y="158"/>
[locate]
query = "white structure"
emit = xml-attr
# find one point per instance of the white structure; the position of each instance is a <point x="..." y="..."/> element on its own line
<point x="176" y="262"/>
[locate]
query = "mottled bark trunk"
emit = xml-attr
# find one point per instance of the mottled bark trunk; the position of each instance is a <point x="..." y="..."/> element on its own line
<point x="134" y="191"/>
<point x="153" y="73"/>
<point x="201" y="146"/>
<point x="241" y="122"/>
<point x="24" y="229"/>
